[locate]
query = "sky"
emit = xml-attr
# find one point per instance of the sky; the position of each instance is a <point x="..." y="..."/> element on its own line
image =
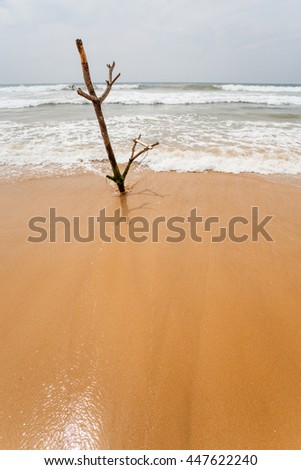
<point x="250" y="41"/>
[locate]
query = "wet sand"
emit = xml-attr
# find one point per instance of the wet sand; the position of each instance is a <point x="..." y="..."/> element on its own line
<point x="151" y="345"/>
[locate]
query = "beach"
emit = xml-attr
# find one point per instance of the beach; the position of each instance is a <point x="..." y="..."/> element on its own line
<point x="153" y="344"/>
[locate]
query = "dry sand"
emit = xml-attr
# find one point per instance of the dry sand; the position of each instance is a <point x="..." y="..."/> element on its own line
<point x="151" y="345"/>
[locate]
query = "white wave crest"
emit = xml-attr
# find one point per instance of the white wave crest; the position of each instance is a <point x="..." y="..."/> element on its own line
<point x="140" y="98"/>
<point x="142" y="94"/>
<point x="262" y="88"/>
<point x="192" y="162"/>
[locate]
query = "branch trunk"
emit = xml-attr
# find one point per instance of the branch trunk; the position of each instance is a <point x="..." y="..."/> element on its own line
<point x="118" y="178"/>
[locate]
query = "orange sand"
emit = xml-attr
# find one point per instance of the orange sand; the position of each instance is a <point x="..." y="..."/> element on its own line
<point x="151" y="345"/>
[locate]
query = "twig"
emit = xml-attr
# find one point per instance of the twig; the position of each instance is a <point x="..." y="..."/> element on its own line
<point x="134" y="156"/>
<point x="85" y="95"/>
<point x="109" y="82"/>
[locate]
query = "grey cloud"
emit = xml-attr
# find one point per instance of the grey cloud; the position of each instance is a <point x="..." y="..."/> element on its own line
<point x="151" y="40"/>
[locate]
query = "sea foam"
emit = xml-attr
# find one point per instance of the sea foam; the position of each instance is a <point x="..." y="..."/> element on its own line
<point x="222" y="127"/>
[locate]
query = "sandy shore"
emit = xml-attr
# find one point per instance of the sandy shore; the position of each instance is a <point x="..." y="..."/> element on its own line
<point x="151" y="345"/>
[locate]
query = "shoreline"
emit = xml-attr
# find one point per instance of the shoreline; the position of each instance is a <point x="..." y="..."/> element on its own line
<point x="137" y="171"/>
<point x="151" y="345"/>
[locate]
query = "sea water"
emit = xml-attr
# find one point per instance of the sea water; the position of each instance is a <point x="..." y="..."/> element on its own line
<point x="223" y="127"/>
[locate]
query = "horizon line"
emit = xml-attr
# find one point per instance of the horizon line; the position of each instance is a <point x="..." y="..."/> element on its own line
<point x="156" y="82"/>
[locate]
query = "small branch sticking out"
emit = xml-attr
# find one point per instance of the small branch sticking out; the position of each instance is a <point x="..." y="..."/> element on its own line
<point x="109" y="82"/>
<point x="97" y="101"/>
<point x="134" y="155"/>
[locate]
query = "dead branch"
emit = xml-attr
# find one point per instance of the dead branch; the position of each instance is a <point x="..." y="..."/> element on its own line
<point x="85" y="67"/>
<point x="85" y="95"/>
<point x="134" y="155"/>
<point x="109" y="82"/>
<point x="97" y="101"/>
<point x="146" y="148"/>
<point x="117" y="177"/>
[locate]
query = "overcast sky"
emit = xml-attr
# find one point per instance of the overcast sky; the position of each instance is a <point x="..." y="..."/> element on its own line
<point x="152" y="40"/>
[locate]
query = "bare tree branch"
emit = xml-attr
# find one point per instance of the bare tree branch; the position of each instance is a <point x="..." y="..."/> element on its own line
<point x="85" y="67"/>
<point x="111" y="68"/>
<point x="134" y="146"/>
<point x="97" y="101"/>
<point x="109" y="82"/>
<point x="134" y="155"/>
<point x="146" y="148"/>
<point x="85" y="95"/>
<point x="117" y="176"/>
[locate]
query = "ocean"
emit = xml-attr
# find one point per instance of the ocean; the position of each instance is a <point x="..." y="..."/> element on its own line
<point x="233" y="128"/>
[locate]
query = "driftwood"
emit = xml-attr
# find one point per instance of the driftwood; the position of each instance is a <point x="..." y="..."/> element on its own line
<point x="118" y="176"/>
